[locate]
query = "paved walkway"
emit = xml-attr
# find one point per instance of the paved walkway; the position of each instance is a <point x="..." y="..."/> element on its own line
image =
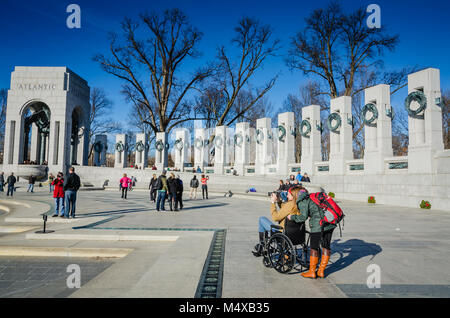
<point x="166" y="251"/>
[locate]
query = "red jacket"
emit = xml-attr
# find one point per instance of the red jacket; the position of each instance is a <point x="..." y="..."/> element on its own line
<point x="58" y="192"/>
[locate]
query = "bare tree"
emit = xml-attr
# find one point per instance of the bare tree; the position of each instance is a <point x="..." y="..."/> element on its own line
<point x="100" y="122"/>
<point x="309" y="94"/>
<point x="148" y="58"/>
<point x="336" y="47"/>
<point x="224" y="96"/>
<point x="3" y="103"/>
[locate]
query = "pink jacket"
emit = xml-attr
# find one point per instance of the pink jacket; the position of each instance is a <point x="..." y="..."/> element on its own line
<point x="125" y="181"/>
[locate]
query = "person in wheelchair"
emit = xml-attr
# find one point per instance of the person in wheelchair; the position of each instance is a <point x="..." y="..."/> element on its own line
<point x="286" y="208"/>
<point x="308" y="209"/>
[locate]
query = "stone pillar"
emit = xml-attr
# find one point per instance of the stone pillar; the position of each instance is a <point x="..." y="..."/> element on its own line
<point x="264" y="146"/>
<point x="35" y="139"/>
<point x="201" y="157"/>
<point x="341" y="148"/>
<point x="242" y="144"/>
<point x="100" y="146"/>
<point x="141" y="148"/>
<point x="425" y="128"/>
<point x="286" y="145"/>
<point x="220" y="149"/>
<point x="121" y="151"/>
<point x="181" y="148"/>
<point x="161" y="154"/>
<point x="311" y="141"/>
<point x="378" y="134"/>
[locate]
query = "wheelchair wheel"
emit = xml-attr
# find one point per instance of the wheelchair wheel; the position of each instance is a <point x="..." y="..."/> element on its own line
<point x="281" y="253"/>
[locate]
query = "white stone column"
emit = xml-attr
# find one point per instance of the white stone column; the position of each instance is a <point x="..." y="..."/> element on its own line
<point x="378" y="134"/>
<point x="264" y="146"/>
<point x="242" y="147"/>
<point x="425" y="130"/>
<point x="35" y="138"/>
<point x="286" y="146"/>
<point x="341" y="148"/>
<point x="181" y="148"/>
<point x="311" y="143"/>
<point x="201" y="157"/>
<point x="161" y="155"/>
<point x="142" y="155"/>
<point x="100" y="156"/>
<point x="220" y="149"/>
<point x="121" y="156"/>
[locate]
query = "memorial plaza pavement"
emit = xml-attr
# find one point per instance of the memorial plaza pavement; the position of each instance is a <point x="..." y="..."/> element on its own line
<point x="126" y="249"/>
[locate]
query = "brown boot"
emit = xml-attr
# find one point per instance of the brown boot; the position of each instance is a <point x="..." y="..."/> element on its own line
<point x="323" y="265"/>
<point x="313" y="261"/>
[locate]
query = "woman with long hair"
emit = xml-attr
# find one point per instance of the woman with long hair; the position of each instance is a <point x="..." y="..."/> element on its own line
<point x="286" y="208"/>
<point x="319" y="236"/>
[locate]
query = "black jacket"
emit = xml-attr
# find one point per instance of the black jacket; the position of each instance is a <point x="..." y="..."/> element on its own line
<point x="172" y="185"/>
<point x="32" y="180"/>
<point x="179" y="185"/>
<point x="11" y="180"/>
<point x="153" y="183"/>
<point x="72" y="182"/>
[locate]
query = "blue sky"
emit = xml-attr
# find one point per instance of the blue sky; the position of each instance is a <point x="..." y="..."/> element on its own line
<point x="34" y="33"/>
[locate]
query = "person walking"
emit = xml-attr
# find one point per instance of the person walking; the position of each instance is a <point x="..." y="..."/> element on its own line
<point x="31" y="182"/>
<point x="58" y="195"/>
<point x="172" y="185"/>
<point x="152" y="188"/>
<point x="125" y="183"/>
<point x="161" y="186"/>
<point x="194" y="186"/>
<point x="205" y="186"/>
<point x="180" y="190"/>
<point x="319" y="235"/>
<point x="2" y="182"/>
<point x="11" y="181"/>
<point x="71" y="186"/>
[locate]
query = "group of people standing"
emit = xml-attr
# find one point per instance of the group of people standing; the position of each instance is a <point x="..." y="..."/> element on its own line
<point x="10" y="182"/>
<point x="163" y="188"/>
<point x="65" y="193"/>
<point x="170" y="188"/>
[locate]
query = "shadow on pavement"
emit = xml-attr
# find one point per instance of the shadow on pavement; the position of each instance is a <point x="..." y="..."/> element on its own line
<point x="349" y="252"/>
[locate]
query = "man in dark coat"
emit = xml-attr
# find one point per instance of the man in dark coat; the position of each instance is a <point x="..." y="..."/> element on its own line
<point x="172" y="184"/>
<point x="71" y="186"/>
<point x="179" y="183"/>
<point x="11" y="181"/>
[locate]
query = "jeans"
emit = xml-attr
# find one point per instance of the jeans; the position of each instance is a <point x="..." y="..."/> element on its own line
<point x="160" y="201"/>
<point x="71" y="198"/>
<point x="59" y="202"/>
<point x="153" y="195"/>
<point x="264" y="224"/>
<point x="10" y="190"/>
<point x="30" y="188"/>
<point x="173" y="199"/>
<point x="205" y="189"/>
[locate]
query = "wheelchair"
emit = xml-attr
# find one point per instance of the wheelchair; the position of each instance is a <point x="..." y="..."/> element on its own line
<point x="284" y="249"/>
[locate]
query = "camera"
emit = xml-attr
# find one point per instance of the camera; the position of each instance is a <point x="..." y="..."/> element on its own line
<point x="281" y="195"/>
